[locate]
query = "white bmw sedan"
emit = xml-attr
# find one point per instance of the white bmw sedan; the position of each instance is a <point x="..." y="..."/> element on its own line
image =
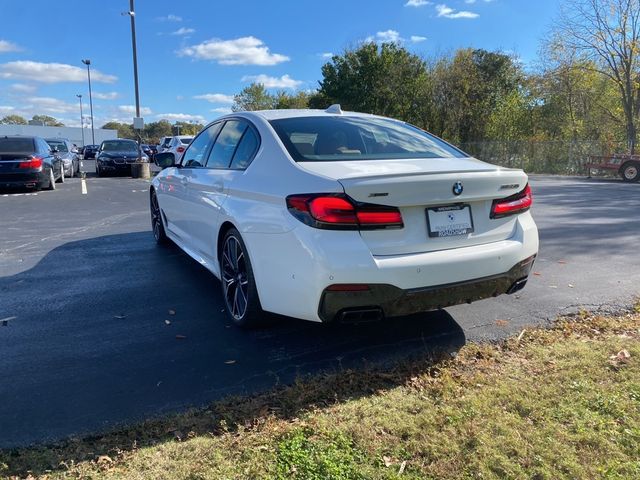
<point x="337" y="216"/>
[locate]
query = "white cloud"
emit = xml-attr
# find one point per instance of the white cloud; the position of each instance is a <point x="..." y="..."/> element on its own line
<point x="183" y="31"/>
<point x="326" y="55"/>
<point x="49" y="105"/>
<point x="241" y="51"/>
<point x="179" y="97"/>
<point x="106" y="95"/>
<point x="51" y="72"/>
<point x="386" y="36"/>
<point x="170" y="18"/>
<point x="6" y="47"/>
<point x="181" y="117"/>
<point x="132" y="109"/>
<point x="284" y="81"/>
<point x="417" y="38"/>
<point x="221" y="110"/>
<point x="448" y="12"/>
<point x="417" y="3"/>
<point x="215" y="98"/>
<point x="23" y="88"/>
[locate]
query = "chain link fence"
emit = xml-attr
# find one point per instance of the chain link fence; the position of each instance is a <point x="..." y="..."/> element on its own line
<point x="552" y="157"/>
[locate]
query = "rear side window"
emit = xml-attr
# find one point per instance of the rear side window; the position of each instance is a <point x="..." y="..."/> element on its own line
<point x="246" y="150"/>
<point x="16" y="145"/>
<point x="225" y="146"/>
<point x="338" y="138"/>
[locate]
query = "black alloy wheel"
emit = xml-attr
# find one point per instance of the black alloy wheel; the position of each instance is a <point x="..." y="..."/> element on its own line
<point x="238" y="284"/>
<point x="156" y="221"/>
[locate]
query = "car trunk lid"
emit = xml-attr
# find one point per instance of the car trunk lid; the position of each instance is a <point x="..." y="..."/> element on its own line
<point x="415" y="186"/>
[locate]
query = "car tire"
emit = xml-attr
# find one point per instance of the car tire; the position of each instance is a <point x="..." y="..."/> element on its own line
<point x="99" y="171"/>
<point x="630" y="172"/>
<point x="239" y="291"/>
<point x="61" y="179"/>
<point x="52" y="181"/>
<point x="157" y="226"/>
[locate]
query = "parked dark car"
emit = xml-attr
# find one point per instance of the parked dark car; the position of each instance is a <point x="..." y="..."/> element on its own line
<point x="116" y="156"/>
<point x="149" y="150"/>
<point x="89" y="151"/>
<point x="28" y="162"/>
<point x="68" y="155"/>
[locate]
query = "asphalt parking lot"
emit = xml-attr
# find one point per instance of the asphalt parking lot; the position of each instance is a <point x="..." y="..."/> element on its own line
<point x="100" y="327"/>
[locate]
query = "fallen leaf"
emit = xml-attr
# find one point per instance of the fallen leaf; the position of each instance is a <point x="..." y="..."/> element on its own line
<point x="502" y="323"/>
<point x="537" y="274"/>
<point x="571" y="285"/>
<point x="387" y="461"/>
<point x="105" y="459"/>
<point x="172" y="312"/>
<point x="229" y="362"/>
<point x="167" y="322"/>
<point x="562" y="262"/>
<point x="180" y="337"/>
<point x="621" y="356"/>
<point x="402" y="467"/>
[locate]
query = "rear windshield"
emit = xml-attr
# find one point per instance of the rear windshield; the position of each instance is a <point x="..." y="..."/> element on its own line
<point x="16" y="145"/>
<point x="321" y="139"/>
<point x="119" y="146"/>
<point x="166" y="142"/>
<point x="61" y="146"/>
<point x="186" y="140"/>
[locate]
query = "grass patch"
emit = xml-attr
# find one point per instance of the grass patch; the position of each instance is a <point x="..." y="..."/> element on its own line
<point x="557" y="403"/>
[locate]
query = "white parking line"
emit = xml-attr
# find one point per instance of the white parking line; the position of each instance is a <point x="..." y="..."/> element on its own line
<point x="83" y="183"/>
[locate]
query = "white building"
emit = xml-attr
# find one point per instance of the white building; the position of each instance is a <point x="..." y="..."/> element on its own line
<point x="73" y="134"/>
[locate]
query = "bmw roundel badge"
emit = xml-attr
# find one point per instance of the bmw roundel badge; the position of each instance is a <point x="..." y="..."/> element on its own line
<point x="457" y="188"/>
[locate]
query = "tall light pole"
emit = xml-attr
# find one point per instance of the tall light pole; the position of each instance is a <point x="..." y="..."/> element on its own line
<point x="81" y="118"/>
<point x="87" y="62"/>
<point x="132" y="16"/>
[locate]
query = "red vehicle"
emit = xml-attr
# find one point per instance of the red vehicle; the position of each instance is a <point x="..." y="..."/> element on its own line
<point x="627" y="166"/>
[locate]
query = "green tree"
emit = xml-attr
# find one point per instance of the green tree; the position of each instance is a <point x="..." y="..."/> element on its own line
<point x="13" y="120"/>
<point x="297" y="100"/>
<point x="253" y="97"/>
<point x="124" y="130"/>
<point x="383" y="79"/>
<point x="607" y="33"/>
<point x="154" y="131"/>
<point x="47" y="120"/>
<point x="186" y="128"/>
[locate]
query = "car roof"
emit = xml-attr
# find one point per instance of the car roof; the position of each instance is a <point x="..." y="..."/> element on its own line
<point x="297" y="113"/>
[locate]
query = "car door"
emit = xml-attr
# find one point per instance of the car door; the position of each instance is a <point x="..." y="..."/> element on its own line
<point x="209" y="187"/>
<point x="173" y="193"/>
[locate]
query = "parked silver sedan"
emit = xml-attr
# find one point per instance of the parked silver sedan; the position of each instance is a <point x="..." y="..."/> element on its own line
<point x="64" y="149"/>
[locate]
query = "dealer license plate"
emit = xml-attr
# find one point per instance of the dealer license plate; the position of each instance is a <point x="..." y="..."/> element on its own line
<point x="449" y="220"/>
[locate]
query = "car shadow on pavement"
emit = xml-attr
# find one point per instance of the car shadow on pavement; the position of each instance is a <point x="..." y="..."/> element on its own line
<point x="114" y="330"/>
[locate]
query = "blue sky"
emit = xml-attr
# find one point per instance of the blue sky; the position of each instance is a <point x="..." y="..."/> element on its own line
<point x="193" y="56"/>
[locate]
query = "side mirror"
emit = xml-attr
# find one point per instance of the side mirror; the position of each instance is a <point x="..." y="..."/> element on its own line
<point x="165" y="160"/>
<point x="54" y="150"/>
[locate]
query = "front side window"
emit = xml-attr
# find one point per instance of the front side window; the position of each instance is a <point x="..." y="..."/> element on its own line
<point x="225" y="146"/>
<point x="195" y="155"/>
<point x="334" y="138"/>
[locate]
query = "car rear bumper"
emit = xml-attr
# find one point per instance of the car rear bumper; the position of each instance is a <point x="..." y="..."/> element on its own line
<point x="294" y="269"/>
<point x="23" y="180"/>
<point x="379" y="301"/>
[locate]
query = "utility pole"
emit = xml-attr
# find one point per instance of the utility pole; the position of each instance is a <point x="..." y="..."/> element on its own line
<point x="87" y="62"/>
<point x="81" y="118"/>
<point x="132" y="16"/>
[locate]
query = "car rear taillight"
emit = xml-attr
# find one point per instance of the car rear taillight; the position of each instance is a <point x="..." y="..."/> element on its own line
<point x="34" y="162"/>
<point x="339" y="212"/>
<point x="518" y="203"/>
<point x="180" y="149"/>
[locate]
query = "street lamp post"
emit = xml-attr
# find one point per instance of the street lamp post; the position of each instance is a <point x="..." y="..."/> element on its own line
<point x="87" y="62"/>
<point x="132" y="16"/>
<point x="81" y="118"/>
